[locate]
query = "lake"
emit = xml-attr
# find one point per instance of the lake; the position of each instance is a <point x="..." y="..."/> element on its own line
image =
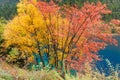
<point x="112" y="53"/>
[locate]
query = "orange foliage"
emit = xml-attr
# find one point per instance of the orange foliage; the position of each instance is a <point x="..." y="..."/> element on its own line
<point x="116" y="22"/>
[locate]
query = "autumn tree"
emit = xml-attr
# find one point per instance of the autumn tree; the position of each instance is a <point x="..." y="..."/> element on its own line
<point x="26" y="31"/>
<point x="28" y="34"/>
<point x="68" y="34"/>
<point x="84" y="33"/>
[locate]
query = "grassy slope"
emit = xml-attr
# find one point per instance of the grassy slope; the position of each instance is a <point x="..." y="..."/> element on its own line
<point x="10" y="72"/>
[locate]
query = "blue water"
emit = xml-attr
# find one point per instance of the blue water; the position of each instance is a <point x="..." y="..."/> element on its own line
<point x="112" y="53"/>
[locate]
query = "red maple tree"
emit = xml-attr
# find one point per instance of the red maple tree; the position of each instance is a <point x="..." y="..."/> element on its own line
<point x="84" y="34"/>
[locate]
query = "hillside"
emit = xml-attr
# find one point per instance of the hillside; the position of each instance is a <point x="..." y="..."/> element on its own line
<point x="10" y="2"/>
<point x="8" y="7"/>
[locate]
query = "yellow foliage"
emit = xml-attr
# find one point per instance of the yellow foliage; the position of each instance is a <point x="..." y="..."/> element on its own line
<point x="29" y="30"/>
<point x="31" y="59"/>
<point x="59" y="55"/>
<point x="52" y="61"/>
<point x="26" y="29"/>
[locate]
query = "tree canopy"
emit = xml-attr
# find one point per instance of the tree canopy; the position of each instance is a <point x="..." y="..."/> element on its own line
<point x="67" y="34"/>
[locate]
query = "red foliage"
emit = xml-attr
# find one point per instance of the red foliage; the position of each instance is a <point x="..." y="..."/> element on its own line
<point x="85" y="23"/>
<point x="116" y="22"/>
<point x="49" y="8"/>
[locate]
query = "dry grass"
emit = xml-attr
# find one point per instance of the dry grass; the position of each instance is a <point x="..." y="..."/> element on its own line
<point x="8" y="72"/>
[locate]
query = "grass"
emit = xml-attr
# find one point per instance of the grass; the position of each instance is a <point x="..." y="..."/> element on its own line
<point x="8" y="72"/>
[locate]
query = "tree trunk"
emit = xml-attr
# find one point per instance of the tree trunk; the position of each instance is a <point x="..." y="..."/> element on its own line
<point x="56" y="56"/>
<point x="41" y="58"/>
